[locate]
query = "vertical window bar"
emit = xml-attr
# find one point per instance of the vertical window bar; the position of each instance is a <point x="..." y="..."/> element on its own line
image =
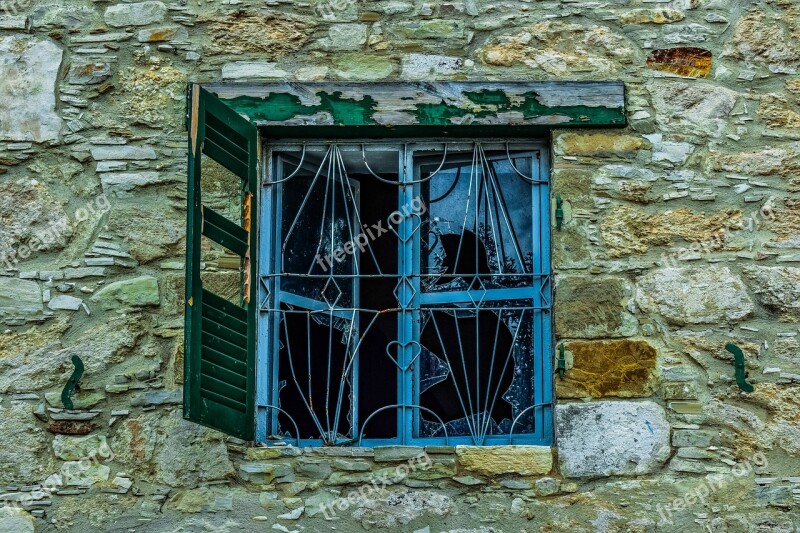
<point x="406" y="272"/>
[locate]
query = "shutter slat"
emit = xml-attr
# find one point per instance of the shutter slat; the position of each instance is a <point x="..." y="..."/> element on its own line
<point x="223" y="346"/>
<point x="222" y="231"/>
<point x="225" y="158"/>
<point x="224" y="400"/>
<point x="229" y="308"/>
<point x="229" y="321"/>
<point x="226" y="139"/>
<point x="211" y="384"/>
<point x="225" y="361"/>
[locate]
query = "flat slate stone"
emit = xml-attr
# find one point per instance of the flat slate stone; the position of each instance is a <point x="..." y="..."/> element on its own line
<point x="397" y="453"/>
<point x="121" y="182"/>
<point x="138" y="14"/>
<point x="125" y="152"/>
<point x="19" y="297"/>
<point x="64" y="302"/>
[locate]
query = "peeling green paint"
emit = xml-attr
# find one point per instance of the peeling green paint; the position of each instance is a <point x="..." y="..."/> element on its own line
<point x="492" y="103"/>
<point x="280" y="107"/>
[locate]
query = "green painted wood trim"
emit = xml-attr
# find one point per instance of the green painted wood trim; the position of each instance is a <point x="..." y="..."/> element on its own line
<point x="525" y="106"/>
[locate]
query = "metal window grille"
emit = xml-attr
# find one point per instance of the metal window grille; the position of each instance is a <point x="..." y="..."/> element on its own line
<point x="404" y="294"/>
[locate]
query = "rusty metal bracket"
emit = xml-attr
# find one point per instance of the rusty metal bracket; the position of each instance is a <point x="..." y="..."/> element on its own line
<point x="247" y="218"/>
<point x="741" y="373"/>
<point x="72" y="383"/>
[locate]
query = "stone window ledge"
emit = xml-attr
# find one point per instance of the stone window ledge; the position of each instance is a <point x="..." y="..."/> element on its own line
<point x="512" y="467"/>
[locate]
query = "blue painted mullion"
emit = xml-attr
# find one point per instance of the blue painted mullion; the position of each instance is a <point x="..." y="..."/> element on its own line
<point x="540" y="232"/>
<point x="406" y="268"/>
<point x="275" y="305"/>
<point x="416" y="313"/>
<point x="546" y="360"/>
<point x="263" y="351"/>
<point x="268" y="326"/>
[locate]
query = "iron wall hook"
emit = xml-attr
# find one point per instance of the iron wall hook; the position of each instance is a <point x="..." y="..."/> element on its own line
<point x="72" y="383"/>
<point x="741" y="374"/>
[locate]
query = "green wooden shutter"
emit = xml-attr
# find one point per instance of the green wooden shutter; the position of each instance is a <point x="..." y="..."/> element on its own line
<point x="219" y="381"/>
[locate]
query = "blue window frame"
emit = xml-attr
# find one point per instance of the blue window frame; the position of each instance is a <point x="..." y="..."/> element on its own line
<point x="404" y="294"/>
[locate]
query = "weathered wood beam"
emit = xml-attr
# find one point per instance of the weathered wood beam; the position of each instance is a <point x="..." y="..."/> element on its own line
<point x="442" y="104"/>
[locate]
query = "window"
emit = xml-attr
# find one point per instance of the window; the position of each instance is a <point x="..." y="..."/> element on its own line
<point x="342" y="292"/>
<point x="404" y="293"/>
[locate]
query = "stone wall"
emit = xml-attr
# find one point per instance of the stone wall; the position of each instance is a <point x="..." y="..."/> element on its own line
<point x="681" y="234"/>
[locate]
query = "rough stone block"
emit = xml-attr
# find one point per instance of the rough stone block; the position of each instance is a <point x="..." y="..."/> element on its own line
<point x="357" y="66"/>
<point x="26" y="456"/>
<point x="347" y="36"/>
<point x="593" y="307"/>
<point x="264" y="473"/>
<point x="600" y="145"/>
<point x="122" y="182"/>
<point x="65" y="302"/>
<point x="694" y="295"/>
<point x="496" y="460"/>
<point x="622" y="368"/>
<point x="679" y="391"/>
<point x="28" y="89"/>
<point x="313" y="469"/>
<point x="351" y="466"/>
<point x="261" y="454"/>
<point x="84" y="272"/>
<point x="136" y="292"/>
<point x="88" y="73"/>
<point x="611" y="438"/>
<point x="776" y="288"/>
<point x="547" y="486"/>
<point x="83" y="473"/>
<point x="72" y="448"/>
<point x="13" y="519"/>
<point x="428" y="66"/>
<point x="163" y="33"/>
<point x="252" y="70"/>
<point x="689" y="466"/>
<point x="693" y="437"/>
<point x="437" y="470"/>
